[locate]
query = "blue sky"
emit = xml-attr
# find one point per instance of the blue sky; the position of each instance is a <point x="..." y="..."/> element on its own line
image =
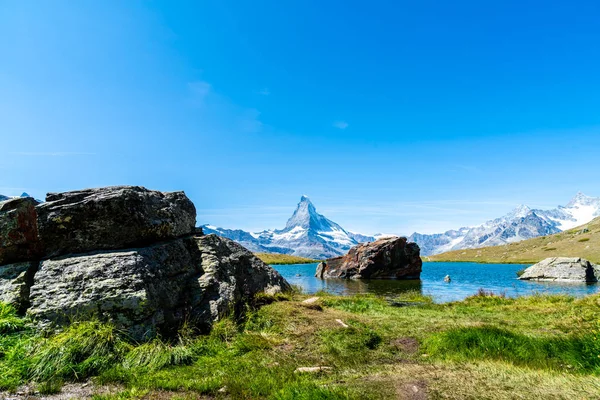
<point x="392" y="116"/>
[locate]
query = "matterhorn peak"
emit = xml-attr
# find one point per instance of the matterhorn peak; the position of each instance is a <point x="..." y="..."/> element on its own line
<point x="304" y="216"/>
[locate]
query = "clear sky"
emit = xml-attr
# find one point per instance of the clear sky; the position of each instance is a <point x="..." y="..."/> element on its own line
<point x="392" y="117"/>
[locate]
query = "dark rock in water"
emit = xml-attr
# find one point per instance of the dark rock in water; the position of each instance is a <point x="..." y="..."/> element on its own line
<point x="152" y="289"/>
<point x="18" y="231"/>
<point x="388" y="258"/>
<point x="571" y="269"/>
<point x="123" y="254"/>
<point x="112" y="218"/>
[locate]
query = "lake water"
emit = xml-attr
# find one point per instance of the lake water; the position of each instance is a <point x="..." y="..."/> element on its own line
<point x="467" y="279"/>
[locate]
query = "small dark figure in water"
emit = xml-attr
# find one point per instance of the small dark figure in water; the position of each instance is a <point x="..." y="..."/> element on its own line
<point x="447" y="279"/>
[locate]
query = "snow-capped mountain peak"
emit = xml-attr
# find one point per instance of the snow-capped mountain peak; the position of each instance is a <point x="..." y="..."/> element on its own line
<point x="307" y="217"/>
<point x="581" y="199"/>
<point x="520" y="211"/>
<point x="307" y="233"/>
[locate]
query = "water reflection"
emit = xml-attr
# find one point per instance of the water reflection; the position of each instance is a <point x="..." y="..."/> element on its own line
<point x="379" y="287"/>
<point x="467" y="279"/>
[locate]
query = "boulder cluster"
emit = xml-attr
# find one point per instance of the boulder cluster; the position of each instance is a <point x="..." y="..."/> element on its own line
<point x="387" y="258"/>
<point x="124" y="254"/>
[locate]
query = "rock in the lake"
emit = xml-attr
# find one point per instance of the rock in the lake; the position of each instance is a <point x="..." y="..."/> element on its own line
<point x="571" y="269"/>
<point x="387" y="258"/>
<point x="18" y="230"/>
<point x="112" y="218"/>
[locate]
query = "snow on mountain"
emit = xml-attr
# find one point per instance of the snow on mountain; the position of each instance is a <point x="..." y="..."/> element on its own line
<point x="580" y="210"/>
<point x="3" y="198"/>
<point x="520" y="224"/>
<point x="306" y="234"/>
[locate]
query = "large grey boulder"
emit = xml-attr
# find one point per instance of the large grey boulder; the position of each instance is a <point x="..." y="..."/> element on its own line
<point x="18" y="230"/>
<point x="387" y="258"/>
<point x="571" y="269"/>
<point x="153" y="289"/>
<point x="111" y="218"/>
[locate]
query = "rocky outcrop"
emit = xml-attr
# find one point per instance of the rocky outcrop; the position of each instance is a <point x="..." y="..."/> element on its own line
<point x="388" y="258"/>
<point x="569" y="269"/>
<point x="112" y="218"/>
<point x="130" y="256"/>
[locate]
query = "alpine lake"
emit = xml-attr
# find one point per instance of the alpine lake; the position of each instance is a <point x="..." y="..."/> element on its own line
<point x="466" y="280"/>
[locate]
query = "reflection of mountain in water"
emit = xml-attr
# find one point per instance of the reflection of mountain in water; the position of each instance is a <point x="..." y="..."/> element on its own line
<point x="379" y="287"/>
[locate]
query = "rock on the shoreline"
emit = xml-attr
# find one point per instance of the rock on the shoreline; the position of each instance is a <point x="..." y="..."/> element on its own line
<point x="387" y="258"/>
<point x="563" y="269"/>
<point x="152" y="289"/>
<point x="127" y="255"/>
<point x="111" y="218"/>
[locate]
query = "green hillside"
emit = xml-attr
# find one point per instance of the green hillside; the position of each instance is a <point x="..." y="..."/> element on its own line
<point x="583" y="241"/>
<point x="271" y="258"/>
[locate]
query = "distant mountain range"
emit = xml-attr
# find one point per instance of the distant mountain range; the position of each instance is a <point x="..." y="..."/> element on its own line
<point x="582" y="241"/>
<point x="520" y="224"/>
<point x="310" y="234"/>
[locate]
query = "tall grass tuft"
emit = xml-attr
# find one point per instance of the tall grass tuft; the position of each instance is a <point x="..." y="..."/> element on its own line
<point x="157" y="354"/>
<point x="82" y="350"/>
<point x="9" y="320"/>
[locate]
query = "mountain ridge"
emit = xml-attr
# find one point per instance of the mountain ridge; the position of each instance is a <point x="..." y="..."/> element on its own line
<point x="521" y="223"/>
<point x="310" y="234"/>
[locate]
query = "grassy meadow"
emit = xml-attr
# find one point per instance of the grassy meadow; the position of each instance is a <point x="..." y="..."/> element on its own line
<point x="485" y="347"/>
<point x="283" y="259"/>
<point x="572" y="243"/>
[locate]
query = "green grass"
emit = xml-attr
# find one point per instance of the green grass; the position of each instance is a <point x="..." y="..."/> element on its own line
<point x="9" y="321"/>
<point x="583" y="241"/>
<point x="284" y="259"/>
<point x="485" y="347"/>
<point x="572" y="352"/>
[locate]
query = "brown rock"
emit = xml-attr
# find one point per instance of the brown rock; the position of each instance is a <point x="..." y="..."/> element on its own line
<point x="388" y="258"/>
<point x="18" y="231"/>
